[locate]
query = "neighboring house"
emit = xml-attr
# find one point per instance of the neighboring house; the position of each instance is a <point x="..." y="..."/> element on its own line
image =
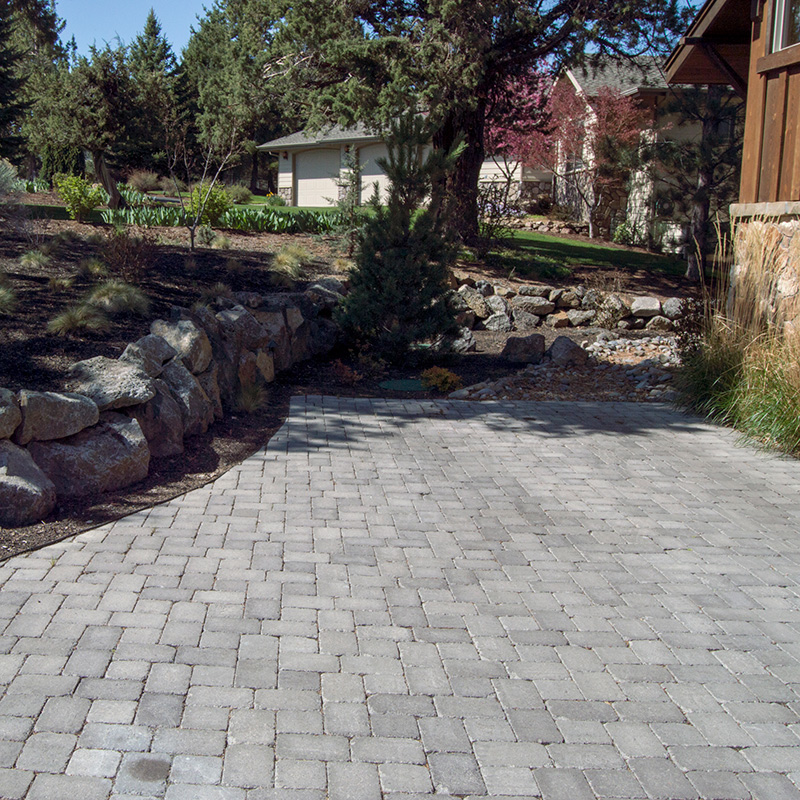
<point x="313" y="166"/>
<point x="643" y="80"/>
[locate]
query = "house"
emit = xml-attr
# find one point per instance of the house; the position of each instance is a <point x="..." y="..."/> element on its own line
<point x="312" y="166"/>
<point x="641" y="206"/>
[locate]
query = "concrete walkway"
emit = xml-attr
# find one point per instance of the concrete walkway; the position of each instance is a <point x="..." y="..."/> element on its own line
<point x="396" y="599"/>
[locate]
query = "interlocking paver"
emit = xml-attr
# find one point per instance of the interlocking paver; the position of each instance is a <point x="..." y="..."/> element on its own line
<point x="399" y="598"/>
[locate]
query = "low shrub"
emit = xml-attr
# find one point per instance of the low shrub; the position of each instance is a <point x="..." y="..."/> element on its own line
<point x="79" y="319"/>
<point x="117" y="297"/>
<point x="79" y="196"/>
<point x="143" y="180"/>
<point x="252" y="397"/>
<point x="167" y="186"/>
<point x="208" y="201"/>
<point x="239" y="195"/>
<point x="205" y="236"/>
<point x="128" y="253"/>
<point x="344" y="374"/>
<point x="441" y="379"/>
<point x="221" y="242"/>
<point x="274" y="200"/>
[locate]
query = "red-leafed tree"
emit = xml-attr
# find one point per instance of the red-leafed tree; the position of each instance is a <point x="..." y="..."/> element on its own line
<point x="591" y="143"/>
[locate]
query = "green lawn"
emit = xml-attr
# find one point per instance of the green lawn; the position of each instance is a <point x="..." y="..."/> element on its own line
<point x="537" y="255"/>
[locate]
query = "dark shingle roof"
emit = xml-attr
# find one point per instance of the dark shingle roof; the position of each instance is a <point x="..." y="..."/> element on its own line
<point x="332" y="135"/>
<point x="624" y="75"/>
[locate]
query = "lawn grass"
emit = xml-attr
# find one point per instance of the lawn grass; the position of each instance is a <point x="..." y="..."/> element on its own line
<point x="537" y="255"/>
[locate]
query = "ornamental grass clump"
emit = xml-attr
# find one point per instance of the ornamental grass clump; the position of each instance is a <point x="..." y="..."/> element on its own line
<point x="116" y="297"/>
<point x="8" y="301"/>
<point x="741" y="362"/>
<point x="79" y="319"/>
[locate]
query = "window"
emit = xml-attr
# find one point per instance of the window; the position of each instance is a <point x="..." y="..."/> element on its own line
<point x="786" y="31"/>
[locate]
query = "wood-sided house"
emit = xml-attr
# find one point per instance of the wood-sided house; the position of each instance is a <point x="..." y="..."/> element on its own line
<point x="754" y="47"/>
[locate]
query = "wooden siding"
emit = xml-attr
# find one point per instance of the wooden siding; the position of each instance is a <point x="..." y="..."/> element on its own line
<point x="771" y="157"/>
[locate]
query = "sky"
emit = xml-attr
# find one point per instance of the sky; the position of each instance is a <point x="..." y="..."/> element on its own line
<point x="101" y="21"/>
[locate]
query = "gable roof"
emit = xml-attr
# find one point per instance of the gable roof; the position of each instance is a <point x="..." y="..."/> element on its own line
<point x="335" y="134"/>
<point x="627" y="76"/>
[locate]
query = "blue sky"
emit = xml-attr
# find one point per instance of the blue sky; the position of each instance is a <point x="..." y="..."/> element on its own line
<point x="100" y="21"/>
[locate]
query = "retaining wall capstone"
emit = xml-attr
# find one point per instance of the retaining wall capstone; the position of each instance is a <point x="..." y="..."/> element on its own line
<point x="115" y="414"/>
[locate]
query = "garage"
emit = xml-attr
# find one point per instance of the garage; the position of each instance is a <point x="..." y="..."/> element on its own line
<point x="316" y="174"/>
<point x="371" y="173"/>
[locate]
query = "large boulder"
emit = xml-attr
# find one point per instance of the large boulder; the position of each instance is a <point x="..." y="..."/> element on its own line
<point x="111" y="383"/>
<point x="324" y="336"/>
<point x="497" y="322"/>
<point x="161" y="422"/>
<point x="565" y="352"/>
<point x="189" y="340"/>
<point x="611" y="310"/>
<point x="523" y="321"/>
<point x="10" y="415"/>
<point x="149" y="353"/>
<point x="497" y="304"/>
<point x="323" y="297"/>
<point x="209" y="381"/>
<point x="27" y="495"/>
<point x="524" y="349"/>
<point x="278" y="339"/>
<point x="111" y="455"/>
<point x="540" y="306"/>
<point x="197" y="411"/>
<point x="475" y="300"/>
<point x="51" y="415"/>
<point x="240" y="327"/>
<point x="672" y="308"/>
<point x="646" y="307"/>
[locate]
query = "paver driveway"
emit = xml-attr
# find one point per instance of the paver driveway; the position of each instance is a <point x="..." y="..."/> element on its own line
<point x="566" y="600"/>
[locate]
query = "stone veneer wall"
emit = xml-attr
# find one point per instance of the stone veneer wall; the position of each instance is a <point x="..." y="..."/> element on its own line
<point x="100" y="433"/>
<point x="767" y="238"/>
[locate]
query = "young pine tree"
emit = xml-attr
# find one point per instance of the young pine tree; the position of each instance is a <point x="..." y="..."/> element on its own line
<point x="399" y="287"/>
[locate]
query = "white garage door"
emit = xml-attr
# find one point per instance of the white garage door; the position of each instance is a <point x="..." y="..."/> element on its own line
<point x="371" y="173"/>
<point x="316" y="173"/>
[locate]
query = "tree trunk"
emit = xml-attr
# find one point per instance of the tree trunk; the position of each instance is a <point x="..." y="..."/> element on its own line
<point x="701" y="202"/>
<point x="115" y="199"/>
<point x="254" y="173"/>
<point x="462" y="186"/>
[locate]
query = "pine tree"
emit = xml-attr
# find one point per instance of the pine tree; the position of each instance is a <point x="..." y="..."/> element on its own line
<point x="11" y="106"/>
<point x="398" y="290"/>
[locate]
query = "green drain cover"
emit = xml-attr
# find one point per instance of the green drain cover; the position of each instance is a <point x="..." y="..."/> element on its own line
<point x="403" y="385"/>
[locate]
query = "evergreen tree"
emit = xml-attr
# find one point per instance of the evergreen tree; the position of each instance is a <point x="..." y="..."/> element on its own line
<point x="398" y="290"/>
<point x="11" y="107"/>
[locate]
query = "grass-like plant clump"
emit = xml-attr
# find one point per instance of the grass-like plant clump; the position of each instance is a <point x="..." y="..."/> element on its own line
<point x="291" y="260"/>
<point x="79" y="319"/>
<point x="117" y="297"/>
<point x="221" y="242"/>
<point x="92" y="268"/>
<point x="252" y="396"/>
<point x="60" y="283"/>
<point x="8" y="301"/>
<point x="741" y="362"/>
<point x="34" y="259"/>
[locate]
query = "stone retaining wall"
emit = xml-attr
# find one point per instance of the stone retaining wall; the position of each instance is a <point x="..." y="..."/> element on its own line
<point x="115" y="414"/>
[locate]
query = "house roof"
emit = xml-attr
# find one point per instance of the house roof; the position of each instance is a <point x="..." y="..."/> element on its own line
<point x="716" y="48"/>
<point x="335" y="134"/>
<point x="627" y="76"/>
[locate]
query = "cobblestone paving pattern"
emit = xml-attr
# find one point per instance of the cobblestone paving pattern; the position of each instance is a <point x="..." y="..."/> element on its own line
<point x="398" y="599"/>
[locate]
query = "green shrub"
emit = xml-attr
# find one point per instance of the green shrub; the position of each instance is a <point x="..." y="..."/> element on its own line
<point x="205" y="236"/>
<point x="143" y="180"/>
<point x="239" y="195"/>
<point x="208" y="201"/>
<point x="274" y="200"/>
<point x="167" y="186"/>
<point x="117" y="297"/>
<point x="212" y="293"/>
<point x="8" y="301"/>
<point x="441" y="379"/>
<point x="221" y="242"/>
<point x="77" y="319"/>
<point x="79" y="195"/>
